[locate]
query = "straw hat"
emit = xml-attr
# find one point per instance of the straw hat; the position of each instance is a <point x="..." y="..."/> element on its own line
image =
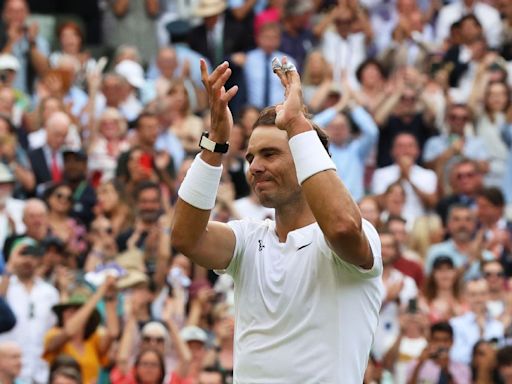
<point x="207" y="8"/>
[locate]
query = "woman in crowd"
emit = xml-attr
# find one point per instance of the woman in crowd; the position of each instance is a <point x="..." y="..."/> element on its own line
<point x="317" y="80"/>
<point x="107" y="143"/>
<point x="489" y="126"/>
<point x="442" y="297"/>
<point x="58" y="198"/>
<point x="184" y="124"/>
<point x="77" y="333"/>
<point x="372" y="78"/>
<point x="426" y="231"/>
<point x="112" y="205"/>
<point x="71" y="41"/>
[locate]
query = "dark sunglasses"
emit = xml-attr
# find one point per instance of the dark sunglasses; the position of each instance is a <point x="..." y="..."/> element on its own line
<point x="107" y="230"/>
<point x="458" y="117"/>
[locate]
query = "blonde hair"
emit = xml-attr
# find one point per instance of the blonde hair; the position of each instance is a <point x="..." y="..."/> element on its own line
<point x="420" y="237"/>
<point x="114" y="114"/>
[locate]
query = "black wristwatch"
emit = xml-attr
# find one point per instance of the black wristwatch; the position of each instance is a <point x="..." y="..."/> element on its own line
<point x="211" y="145"/>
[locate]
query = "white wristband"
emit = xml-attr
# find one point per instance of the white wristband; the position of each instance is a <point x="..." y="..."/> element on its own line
<point x="309" y="155"/>
<point x="199" y="188"/>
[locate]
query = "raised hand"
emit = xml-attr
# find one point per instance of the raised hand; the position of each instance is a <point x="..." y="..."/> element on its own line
<point x="291" y="111"/>
<point x="218" y="97"/>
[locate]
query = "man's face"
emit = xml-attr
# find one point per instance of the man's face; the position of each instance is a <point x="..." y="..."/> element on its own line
<point x="457" y="118"/>
<point x="166" y="62"/>
<point x="36" y="221"/>
<point x="477" y="295"/>
<point x="405" y="146"/>
<point x="75" y="168"/>
<point x="461" y="224"/>
<point x="494" y="275"/>
<point x="56" y="135"/>
<point x="487" y="212"/>
<point x="389" y="251"/>
<point x="466" y="179"/>
<point x="148" y="130"/>
<point x="25" y="266"/>
<point x="269" y="39"/>
<point x="271" y="171"/>
<point x="10" y="361"/>
<point x="440" y="340"/>
<point x="343" y="21"/>
<point x="112" y="90"/>
<point x="339" y="130"/>
<point x="148" y="205"/>
<point x="15" y="13"/>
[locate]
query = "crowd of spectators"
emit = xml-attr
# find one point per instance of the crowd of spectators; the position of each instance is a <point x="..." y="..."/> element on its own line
<point x="101" y="111"/>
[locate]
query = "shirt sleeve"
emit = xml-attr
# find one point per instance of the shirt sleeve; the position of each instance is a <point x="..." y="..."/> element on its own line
<point x="238" y="228"/>
<point x="374" y="242"/>
<point x="50" y="356"/>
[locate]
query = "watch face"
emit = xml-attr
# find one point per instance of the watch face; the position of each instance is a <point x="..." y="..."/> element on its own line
<point x="212" y="146"/>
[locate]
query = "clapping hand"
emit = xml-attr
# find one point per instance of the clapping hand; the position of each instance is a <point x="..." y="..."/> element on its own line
<point x="291" y="113"/>
<point x="219" y="97"/>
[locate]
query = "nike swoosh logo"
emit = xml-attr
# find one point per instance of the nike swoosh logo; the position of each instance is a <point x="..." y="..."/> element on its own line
<point x="304" y="246"/>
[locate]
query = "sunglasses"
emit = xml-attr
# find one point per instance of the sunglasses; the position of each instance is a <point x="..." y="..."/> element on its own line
<point x="149" y="339"/>
<point x="343" y="21"/>
<point x="495" y="274"/>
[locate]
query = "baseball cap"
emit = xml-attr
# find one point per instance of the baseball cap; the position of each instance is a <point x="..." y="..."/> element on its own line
<point x="9" y="62"/>
<point x="79" y="152"/>
<point x="443" y="260"/>
<point x="132" y="72"/>
<point x="193" y="333"/>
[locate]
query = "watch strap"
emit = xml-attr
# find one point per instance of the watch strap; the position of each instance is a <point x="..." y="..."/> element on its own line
<point x="211" y="145"/>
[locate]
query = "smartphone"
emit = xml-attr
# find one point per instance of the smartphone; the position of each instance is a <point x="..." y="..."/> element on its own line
<point x="412" y="306"/>
<point x="146" y="161"/>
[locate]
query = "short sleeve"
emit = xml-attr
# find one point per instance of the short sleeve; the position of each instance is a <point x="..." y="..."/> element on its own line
<point x="374" y="241"/>
<point x="50" y="356"/>
<point x="238" y="227"/>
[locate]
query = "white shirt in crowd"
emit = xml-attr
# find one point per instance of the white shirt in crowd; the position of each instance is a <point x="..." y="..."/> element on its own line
<point x="302" y="315"/>
<point x="33" y="318"/>
<point x="424" y="179"/>
<point x="487" y="15"/>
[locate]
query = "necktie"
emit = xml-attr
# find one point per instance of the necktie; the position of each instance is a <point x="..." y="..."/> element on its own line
<point x="55" y="170"/>
<point x="444" y="377"/>
<point x="266" y="86"/>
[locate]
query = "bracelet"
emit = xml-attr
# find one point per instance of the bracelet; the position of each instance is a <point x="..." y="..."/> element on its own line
<point x="165" y="230"/>
<point x="199" y="188"/>
<point x="309" y="155"/>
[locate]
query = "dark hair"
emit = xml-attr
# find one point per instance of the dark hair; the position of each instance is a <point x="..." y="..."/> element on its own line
<point x="442" y="326"/>
<point x="267" y="117"/>
<point x="395" y="218"/>
<point x="49" y="191"/>
<point x="504" y="356"/>
<point x="69" y="373"/>
<point x="430" y="286"/>
<point x="470" y="16"/>
<point x="144" y="115"/>
<point x="454" y="207"/>
<point x="493" y="195"/>
<point x="161" y="363"/>
<point x="144" y="185"/>
<point x="367" y="63"/>
<point x="64" y="361"/>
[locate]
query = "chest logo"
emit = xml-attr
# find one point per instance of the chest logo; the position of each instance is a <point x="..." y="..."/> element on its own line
<point x="260" y="245"/>
<point x="304" y="246"/>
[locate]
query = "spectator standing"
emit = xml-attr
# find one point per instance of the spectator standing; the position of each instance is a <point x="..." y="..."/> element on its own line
<point x="474" y="324"/>
<point x="265" y="88"/>
<point x="31" y="300"/>
<point x="133" y="22"/>
<point x="420" y="184"/>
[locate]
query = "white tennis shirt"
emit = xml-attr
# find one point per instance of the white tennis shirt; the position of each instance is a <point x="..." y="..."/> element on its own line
<point x="302" y="314"/>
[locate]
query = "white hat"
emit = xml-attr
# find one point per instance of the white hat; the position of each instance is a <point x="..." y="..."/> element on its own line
<point x="6" y="175"/>
<point x="132" y="72"/>
<point x="193" y="333"/>
<point x="8" y="61"/>
<point x="207" y="8"/>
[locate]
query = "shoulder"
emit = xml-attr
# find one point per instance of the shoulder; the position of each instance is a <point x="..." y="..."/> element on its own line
<point x="486" y="10"/>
